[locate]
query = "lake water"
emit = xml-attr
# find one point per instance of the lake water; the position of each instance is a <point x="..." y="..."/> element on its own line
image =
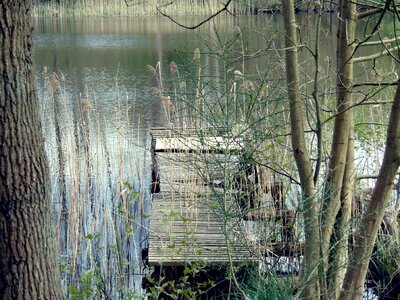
<point x="102" y="65"/>
<point x="117" y="51"/>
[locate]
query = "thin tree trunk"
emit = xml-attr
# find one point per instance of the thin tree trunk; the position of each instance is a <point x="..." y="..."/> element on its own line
<point x="340" y="140"/>
<point x="339" y="257"/>
<point x="300" y="152"/>
<point x="28" y="263"/>
<point x="367" y="232"/>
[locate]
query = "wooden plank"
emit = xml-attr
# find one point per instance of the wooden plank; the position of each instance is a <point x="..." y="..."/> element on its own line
<point x="187" y="132"/>
<point x="192" y="169"/>
<point x="185" y="225"/>
<point x="216" y="144"/>
<point x="198" y="254"/>
<point x="205" y="239"/>
<point x="172" y="253"/>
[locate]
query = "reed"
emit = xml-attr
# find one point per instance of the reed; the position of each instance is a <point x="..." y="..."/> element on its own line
<point x="98" y="188"/>
<point x="65" y="8"/>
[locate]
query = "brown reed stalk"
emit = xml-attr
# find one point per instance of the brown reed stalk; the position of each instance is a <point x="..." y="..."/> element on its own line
<point x="86" y="108"/>
<point x="78" y="205"/>
<point x="92" y="225"/>
<point x="63" y="218"/>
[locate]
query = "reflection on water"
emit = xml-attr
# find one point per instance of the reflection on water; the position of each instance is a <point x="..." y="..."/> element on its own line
<point x="89" y="41"/>
<point x="117" y="50"/>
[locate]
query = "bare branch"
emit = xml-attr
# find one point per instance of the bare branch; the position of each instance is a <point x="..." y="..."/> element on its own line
<point x="289" y="48"/>
<point x="362" y="102"/>
<point x="376" y="55"/>
<point x="371" y="123"/>
<point x="369" y="176"/>
<point x="131" y="4"/>
<point x="360" y="84"/>
<point x="225" y="8"/>
<point x="376" y="102"/>
<point x="383" y="41"/>
<point x="368" y="13"/>
<point x="374" y="30"/>
<point x="386" y="48"/>
<point x="284" y="174"/>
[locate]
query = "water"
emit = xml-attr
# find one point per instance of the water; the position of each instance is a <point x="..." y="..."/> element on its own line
<point x="117" y="51"/>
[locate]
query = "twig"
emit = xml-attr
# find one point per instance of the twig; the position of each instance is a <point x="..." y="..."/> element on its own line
<point x="376" y="55"/>
<point x="292" y="179"/>
<point x="225" y="8"/>
<point x="370" y="123"/>
<point x="369" y="176"/>
<point x="374" y="30"/>
<point x="361" y="84"/>
<point x="127" y="4"/>
<point x="380" y="42"/>
<point x="368" y="13"/>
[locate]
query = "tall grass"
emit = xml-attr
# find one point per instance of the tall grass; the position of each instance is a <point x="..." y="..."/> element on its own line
<point x="98" y="183"/>
<point x="64" y="8"/>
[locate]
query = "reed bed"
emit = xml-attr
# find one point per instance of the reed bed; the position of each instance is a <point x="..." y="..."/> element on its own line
<point x="64" y="8"/>
<point x="98" y="180"/>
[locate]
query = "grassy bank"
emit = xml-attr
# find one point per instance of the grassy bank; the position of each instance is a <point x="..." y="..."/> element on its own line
<point x="62" y="8"/>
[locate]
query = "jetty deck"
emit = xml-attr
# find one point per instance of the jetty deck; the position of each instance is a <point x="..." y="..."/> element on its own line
<point x="193" y="218"/>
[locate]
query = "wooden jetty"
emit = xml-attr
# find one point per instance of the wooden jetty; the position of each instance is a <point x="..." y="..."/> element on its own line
<point x="194" y="217"/>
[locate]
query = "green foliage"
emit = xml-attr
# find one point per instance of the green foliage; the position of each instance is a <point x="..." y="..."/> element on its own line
<point x="270" y="287"/>
<point x="386" y="259"/>
<point x="184" y="287"/>
<point x="193" y="281"/>
<point x="88" y="287"/>
<point x="171" y="215"/>
<point x="198" y="280"/>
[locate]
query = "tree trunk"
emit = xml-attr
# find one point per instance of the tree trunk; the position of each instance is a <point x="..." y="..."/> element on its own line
<point x="339" y="257"/>
<point x="367" y="232"/>
<point x="28" y="264"/>
<point x="337" y="163"/>
<point x="300" y="152"/>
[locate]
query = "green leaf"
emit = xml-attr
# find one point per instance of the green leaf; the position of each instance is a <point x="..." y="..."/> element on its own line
<point x="128" y="185"/>
<point x="135" y="196"/>
<point x="144" y="216"/>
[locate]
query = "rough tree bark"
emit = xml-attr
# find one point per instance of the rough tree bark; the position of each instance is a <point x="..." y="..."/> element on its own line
<point x="28" y="264"/>
<point x="301" y="155"/>
<point x="367" y="232"/>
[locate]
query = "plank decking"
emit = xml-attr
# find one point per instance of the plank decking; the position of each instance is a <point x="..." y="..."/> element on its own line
<point x="188" y="222"/>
